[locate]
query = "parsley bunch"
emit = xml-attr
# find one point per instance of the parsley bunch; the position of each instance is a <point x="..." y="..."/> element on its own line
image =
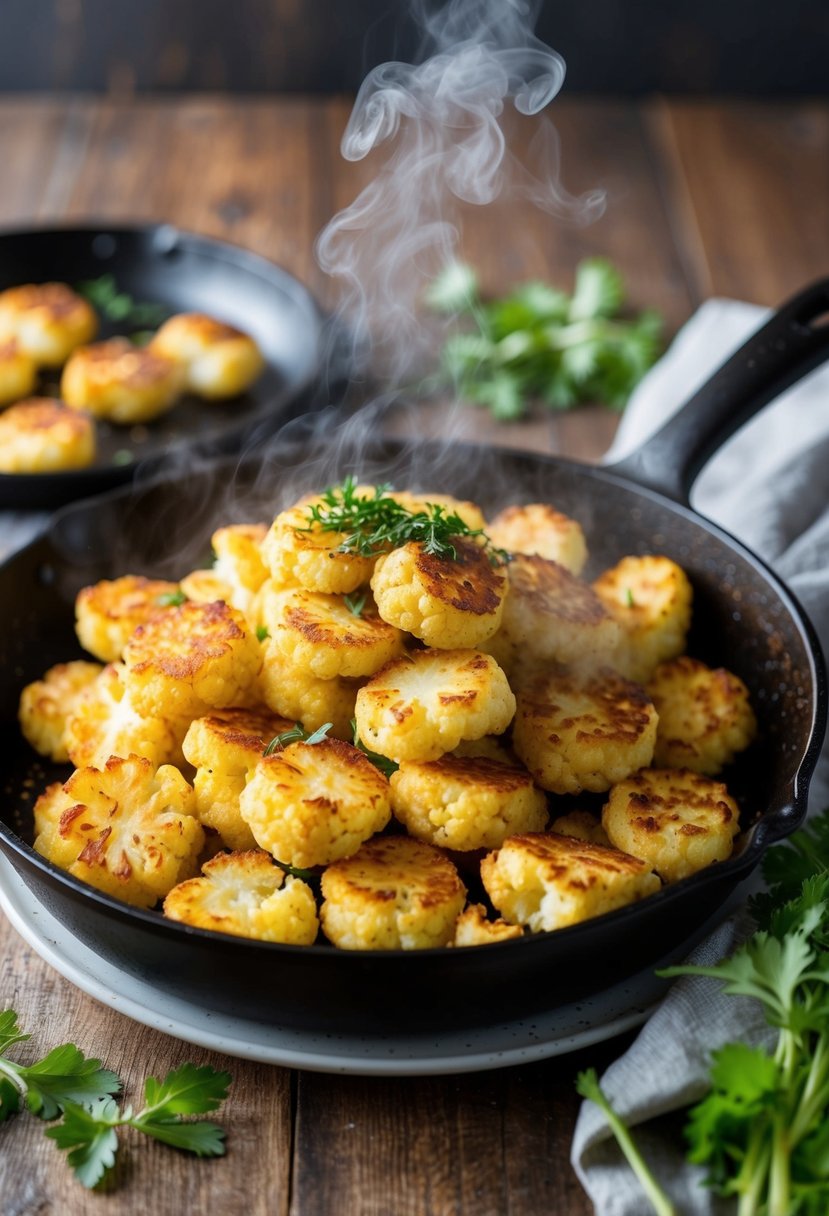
<point x="762" y="1131"/>
<point x="66" y="1083"/>
<point x="374" y="523"/>
<point x="539" y="343"/>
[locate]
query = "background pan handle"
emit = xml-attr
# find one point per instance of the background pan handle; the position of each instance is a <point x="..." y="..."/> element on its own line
<point x="788" y="346"/>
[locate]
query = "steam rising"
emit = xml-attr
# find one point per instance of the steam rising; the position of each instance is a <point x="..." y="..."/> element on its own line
<point x="442" y="120"/>
<point x="441" y="125"/>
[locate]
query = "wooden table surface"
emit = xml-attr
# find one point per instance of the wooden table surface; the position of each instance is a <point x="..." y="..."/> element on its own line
<point x="703" y="199"/>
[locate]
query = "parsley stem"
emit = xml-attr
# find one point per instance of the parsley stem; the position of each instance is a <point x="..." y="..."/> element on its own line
<point x="779" y="1174"/>
<point x="815" y="1095"/>
<point x="9" y="1070"/>
<point x="754" y="1171"/>
<point x="588" y="1086"/>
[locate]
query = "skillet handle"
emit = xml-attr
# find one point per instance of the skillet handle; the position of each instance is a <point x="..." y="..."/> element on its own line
<point x="787" y="347"/>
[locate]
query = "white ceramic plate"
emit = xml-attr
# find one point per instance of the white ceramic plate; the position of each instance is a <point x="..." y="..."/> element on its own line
<point x="566" y="1029"/>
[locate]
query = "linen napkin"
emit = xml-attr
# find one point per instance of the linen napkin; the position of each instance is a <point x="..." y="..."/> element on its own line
<point x="769" y="486"/>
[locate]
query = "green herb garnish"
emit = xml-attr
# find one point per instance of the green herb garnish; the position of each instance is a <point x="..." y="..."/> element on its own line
<point x="538" y="343"/>
<point x="355" y="603"/>
<point x="116" y="305"/>
<point x="374" y="523"/>
<point x="297" y="734"/>
<point x="171" y="599"/>
<point x="629" y="600"/>
<point x="296" y="871"/>
<point x="386" y="766"/>
<point x="262" y="633"/>
<point x="67" y="1085"/>
<point x="762" y="1130"/>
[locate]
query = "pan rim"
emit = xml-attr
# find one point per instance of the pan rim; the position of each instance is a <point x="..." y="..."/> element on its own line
<point x="758" y="837"/>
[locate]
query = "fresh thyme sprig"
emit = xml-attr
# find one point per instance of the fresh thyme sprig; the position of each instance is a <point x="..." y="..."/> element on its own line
<point x="386" y="766"/>
<point x="374" y="523"/>
<point x="297" y="734"/>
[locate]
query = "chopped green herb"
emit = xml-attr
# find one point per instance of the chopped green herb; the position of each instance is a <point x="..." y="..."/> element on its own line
<point x="262" y="633"/>
<point x="296" y="871"/>
<point x="297" y="734"/>
<point x="374" y="523"/>
<point x="538" y="343"/>
<point x="320" y="734"/>
<point x="356" y="603"/>
<point x="171" y="599"/>
<point x="104" y="295"/>
<point x="386" y="766"/>
<point x="294" y="735"/>
<point x="629" y="600"/>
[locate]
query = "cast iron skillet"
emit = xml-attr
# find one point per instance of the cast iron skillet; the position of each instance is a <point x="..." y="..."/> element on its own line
<point x="743" y="617"/>
<point x="182" y="272"/>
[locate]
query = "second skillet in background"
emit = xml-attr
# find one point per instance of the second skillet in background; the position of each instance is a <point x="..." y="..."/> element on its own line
<point x="180" y="272"/>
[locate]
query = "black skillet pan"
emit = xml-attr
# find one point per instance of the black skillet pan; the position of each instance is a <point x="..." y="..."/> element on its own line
<point x="744" y="617"/>
<point x="181" y="272"/>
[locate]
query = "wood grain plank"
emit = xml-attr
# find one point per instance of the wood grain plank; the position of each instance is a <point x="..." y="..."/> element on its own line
<point x="41" y="145"/>
<point x="750" y="182"/>
<point x="149" y="1177"/>
<point x="244" y="171"/>
<point x="481" y="1144"/>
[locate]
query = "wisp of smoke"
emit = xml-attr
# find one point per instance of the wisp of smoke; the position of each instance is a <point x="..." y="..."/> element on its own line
<point x="442" y="119"/>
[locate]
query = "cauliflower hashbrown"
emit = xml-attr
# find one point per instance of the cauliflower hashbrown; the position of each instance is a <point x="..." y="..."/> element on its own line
<point x="46" y="344"/>
<point x="368" y="722"/>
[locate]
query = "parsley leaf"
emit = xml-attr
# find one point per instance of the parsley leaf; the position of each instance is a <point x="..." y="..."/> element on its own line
<point x="89" y="1139"/>
<point x="262" y="633"/>
<point x="10" y="1031"/>
<point x="116" y="305"/>
<point x="65" y="1076"/>
<point x="187" y="1090"/>
<point x="538" y="343"/>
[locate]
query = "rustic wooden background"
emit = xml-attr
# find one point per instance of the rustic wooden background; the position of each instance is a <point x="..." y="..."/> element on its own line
<point x="325" y="46"/>
<point x="704" y="199"/>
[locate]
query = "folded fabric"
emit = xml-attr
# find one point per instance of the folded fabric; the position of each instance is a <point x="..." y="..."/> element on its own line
<point x="768" y="486"/>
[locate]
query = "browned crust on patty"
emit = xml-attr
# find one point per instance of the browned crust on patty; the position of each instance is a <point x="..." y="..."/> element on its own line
<point x="560" y="853"/>
<point x="204" y="630"/>
<point x="468" y="582"/>
<point x="549" y="589"/>
<point x="626" y="707"/>
<point x="403" y="863"/>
